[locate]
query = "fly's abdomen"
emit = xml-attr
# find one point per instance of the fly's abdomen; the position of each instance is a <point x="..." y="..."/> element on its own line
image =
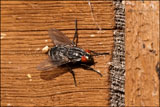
<point x="58" y="53"/>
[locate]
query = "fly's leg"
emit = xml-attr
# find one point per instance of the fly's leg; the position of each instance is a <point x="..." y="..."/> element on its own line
<point x="73" y="74"/>
<point x="89" y="68"/>
<point x="97" y="54"/>
<point x="75" y="38"/>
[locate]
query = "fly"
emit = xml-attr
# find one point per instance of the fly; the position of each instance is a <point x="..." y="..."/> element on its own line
<point x="66" y="55"/>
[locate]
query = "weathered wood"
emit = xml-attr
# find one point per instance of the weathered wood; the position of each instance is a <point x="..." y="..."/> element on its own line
<point x="117" y="67"/>
<point x="24" y="30"/>
<point x="142" y="53"/>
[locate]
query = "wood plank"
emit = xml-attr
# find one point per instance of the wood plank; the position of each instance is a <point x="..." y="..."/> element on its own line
<point x="24" y="34"/>
<point x="142" y="53"/>
<point x="24" y="15"/>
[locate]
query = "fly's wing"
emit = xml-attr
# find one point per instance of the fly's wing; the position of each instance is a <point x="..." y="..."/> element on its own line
<point x="58" y="37"/>
<point x="49" y="75"/>
<point x="46" y="65"/>
<point x="51" y="67"/>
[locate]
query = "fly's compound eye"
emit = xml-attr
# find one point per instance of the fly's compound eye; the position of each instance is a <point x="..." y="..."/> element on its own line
<point x="88" y="51"/>
<point x="84" y="58"/>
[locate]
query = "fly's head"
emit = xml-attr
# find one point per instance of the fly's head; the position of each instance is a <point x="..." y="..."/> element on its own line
<point x="87" y="58"/>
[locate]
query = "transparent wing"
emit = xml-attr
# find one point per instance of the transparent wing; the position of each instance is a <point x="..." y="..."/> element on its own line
<point x="51" y="69"/>
<point x="55" y="72"/>
<point x="46" y="65"/>
<point x="58" y="37"/>
<point x="49" y="64"/>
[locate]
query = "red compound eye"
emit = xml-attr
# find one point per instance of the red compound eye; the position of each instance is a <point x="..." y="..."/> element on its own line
<point x="83" y="59"/>
<point x="88" y="51"/>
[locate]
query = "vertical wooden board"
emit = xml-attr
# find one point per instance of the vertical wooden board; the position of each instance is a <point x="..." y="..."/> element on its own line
<point x="24" y="34"/>
<point x="142" y="53"/>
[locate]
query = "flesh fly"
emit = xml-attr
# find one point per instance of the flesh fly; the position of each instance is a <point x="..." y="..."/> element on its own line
<point x="65" y="55"/>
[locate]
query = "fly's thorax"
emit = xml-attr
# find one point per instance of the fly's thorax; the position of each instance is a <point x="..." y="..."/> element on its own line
<point x="75" y="54"/>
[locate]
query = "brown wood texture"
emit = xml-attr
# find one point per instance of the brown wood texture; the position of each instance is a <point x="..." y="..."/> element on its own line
<point x="142" y="53"/>
<point x="24" y="26"/>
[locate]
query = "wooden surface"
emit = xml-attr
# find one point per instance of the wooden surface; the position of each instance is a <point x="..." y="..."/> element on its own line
<point x="24" y="33"/>
<point x="142" y="53"/>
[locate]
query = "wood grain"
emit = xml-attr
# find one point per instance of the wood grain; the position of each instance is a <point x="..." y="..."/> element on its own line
<point x="33" y="16"/>
<point x="142" y="53"/>
<point x="24" y="34"/>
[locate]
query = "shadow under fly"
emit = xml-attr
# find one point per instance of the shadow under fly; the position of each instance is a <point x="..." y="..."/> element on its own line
<point x="65" y="55"/>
